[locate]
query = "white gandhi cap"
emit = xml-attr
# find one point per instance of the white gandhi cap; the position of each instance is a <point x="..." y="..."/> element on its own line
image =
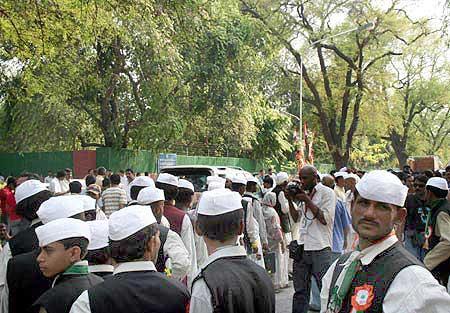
<point x="239" y="179"/>
<point x="169" y="179"/>
<point x="183" y="183"/>
<point x="28" y="188"/>
<point x="438" y="182"/>
<point x="60" y="207"/>
<point x="219" y="201"/>
<point x="88" y="202"/>
<point x="99" y="234"/>
<point x="129" y="220"/>
<point x="340" y="174"/>
<point x="148" y="195"/>
<point x="60" y="229"/>
<point x="382" y="186"/>
<point x="142" y="181"/>
<point x="282" y="177"/>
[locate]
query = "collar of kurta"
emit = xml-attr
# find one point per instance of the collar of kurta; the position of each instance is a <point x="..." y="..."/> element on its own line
<point x="368" y="254"/>
<point x="224" y="252"/>
<point x="101" y="268"/>
<point x="137" y="266"/>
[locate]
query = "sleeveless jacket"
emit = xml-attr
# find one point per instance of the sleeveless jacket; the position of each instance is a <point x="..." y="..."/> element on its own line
<point x="238" y="285"/>
<point x="138" y="292"/>
<point x="25" y="241"/>
<point x="284" y="218"/>
<point x="379" y="274"/>
<point x="67" y="289"/>
<point x="442" y="271"/>
<point x="26" y="283"/>
<point x="175" y="217"/>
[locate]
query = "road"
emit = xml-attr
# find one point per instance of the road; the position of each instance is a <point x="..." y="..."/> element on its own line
<point x="284" y="300"/>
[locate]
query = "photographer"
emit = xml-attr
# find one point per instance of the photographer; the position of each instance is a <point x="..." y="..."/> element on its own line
<point x="312" y="252"/>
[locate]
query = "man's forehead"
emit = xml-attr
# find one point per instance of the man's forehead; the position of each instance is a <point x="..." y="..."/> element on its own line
<point x="376" y="202"/>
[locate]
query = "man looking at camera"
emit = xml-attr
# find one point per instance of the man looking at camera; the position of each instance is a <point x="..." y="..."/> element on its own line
<point x="313" y="255"/>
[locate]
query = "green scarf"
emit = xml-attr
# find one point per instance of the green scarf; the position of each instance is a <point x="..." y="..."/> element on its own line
<point x="77" y="269"/>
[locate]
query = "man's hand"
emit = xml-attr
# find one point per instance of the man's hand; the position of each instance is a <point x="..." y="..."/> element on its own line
<point x="302" y="197"/>
<point x="4" y="233"/>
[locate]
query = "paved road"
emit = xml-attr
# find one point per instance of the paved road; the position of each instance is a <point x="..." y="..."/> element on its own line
<point x="284" y="300"/>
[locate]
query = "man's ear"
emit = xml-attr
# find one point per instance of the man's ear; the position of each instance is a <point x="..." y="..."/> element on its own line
<point x="401" y="216"/>
<point x="75" y="254"/>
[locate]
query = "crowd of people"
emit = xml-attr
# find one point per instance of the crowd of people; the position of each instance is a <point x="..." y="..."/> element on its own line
<point x="123" y="242"/>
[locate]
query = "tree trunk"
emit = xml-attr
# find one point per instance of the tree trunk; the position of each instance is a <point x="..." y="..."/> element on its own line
<point x="399" y="145"/>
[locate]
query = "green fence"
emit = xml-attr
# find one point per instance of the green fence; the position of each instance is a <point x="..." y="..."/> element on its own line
<point x="36" y="162"/>
<point x="139" y="160"/>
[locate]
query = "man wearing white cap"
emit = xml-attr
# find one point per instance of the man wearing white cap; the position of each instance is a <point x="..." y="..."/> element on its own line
<point x="63" y="244"/>
<point x="381" y="276"/>
<point x="339" y="188"/>
<point x="172" y="247"/>
<point x="250" y="233"/>
<point x="258" y="219"/>
<point x="137" y="185"/>
<point x="29" y="196"/>
<point x="437" y="230"/>
<point x="135" y="286"/>
<point x="184" y="201"/>
<point x="215" y="182"/>
<point x="24" y="281"/>
<point x="99" y="254"/>
<point x="220" y="222"/>
<point x="179" y="220"/>
<point x="350" y="182"/>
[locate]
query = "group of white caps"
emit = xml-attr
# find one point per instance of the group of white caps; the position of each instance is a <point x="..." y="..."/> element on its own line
<point x="55" y="213"/>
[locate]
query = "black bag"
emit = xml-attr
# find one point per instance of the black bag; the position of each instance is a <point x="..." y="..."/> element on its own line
<point x="295" y="250"/>
<point x="269" y="261"/>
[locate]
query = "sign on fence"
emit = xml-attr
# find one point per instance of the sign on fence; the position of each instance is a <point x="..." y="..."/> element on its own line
<point x="166" y="160"/>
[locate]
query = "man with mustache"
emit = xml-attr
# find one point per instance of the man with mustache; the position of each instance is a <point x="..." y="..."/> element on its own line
<point x="381" y="275"/>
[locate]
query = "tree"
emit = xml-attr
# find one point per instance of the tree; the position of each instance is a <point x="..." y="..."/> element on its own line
<point x="336" y="90"/>
<point x="418" y="90"/>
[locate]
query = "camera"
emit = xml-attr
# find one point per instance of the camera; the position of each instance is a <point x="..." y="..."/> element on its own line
<point x="294" y="188"/>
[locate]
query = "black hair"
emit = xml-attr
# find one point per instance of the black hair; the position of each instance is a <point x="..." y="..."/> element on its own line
<point x="133" y="247"/>
<point x="122" y="171"/>
<point x="250" y="184"/>
<point x="76" y="242"/>
<point x="134" y="191"/>
<point x="99" y="256"/>
<point x="269" y="180"/>
<point x="146" y="173"/>
<point x="437" y="174"/>
<point x="68" y="170"/>
<point x="106" y="182"/>
<point x="29" y="175"/>
<point x="170" y="192"/>
<point x="101" y="171"/>
<point x="90" y="179"/>
<point x="29" y="206"/>
<point x="236" y="187"/>
<point x="447" y="169"/>
<point x="332" y="172"/>
<point x="421" y="178"/>
<point x="439" y="193"/>
<point x="428" y="173"/>
<point x="75" y="187"/>
<point x="339" y="177"/>
<point x="184" y="196"/>
<point x="220" y="227"/>
<point x="129" y="170"/>
<point x="11" y="180"/>
<point x="60" y="174"/>
<point x="115" y="179"/>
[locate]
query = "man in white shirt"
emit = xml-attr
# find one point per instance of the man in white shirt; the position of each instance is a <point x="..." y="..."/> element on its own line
<point x="316" y="235"/>
<point x="339" y="188"/>
<point x="59" y="186"/>
<point x="49" y="177"/>
<point x="381" y="276"/>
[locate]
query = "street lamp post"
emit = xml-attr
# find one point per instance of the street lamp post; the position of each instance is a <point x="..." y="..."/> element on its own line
<point x="366" y="26"/>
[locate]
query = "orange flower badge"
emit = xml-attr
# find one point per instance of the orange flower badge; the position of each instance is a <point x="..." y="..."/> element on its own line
<point x="362" y="298"/>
